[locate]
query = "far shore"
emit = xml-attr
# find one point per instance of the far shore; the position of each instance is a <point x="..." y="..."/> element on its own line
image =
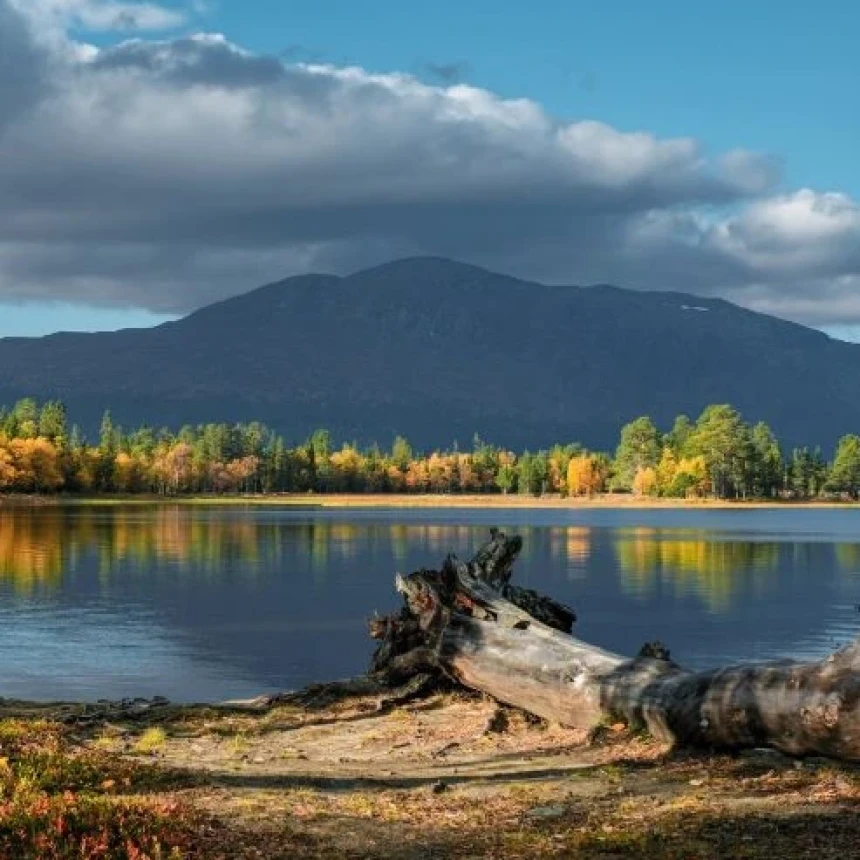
<point x="404" y="500"/>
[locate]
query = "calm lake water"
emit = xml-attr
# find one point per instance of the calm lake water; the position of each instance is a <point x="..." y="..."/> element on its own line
<point x="210" y="603"/>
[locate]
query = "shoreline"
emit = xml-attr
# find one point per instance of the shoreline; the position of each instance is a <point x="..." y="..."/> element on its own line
<point x="607" y="501"/>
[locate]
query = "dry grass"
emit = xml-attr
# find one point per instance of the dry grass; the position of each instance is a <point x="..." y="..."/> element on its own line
<point x="425" y="781"/>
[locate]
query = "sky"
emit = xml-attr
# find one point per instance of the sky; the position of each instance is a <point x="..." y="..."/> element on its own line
<point x="155" y="157"/>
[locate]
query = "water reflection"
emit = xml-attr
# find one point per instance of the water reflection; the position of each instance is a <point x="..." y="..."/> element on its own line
<point x="696" y="563"/>
<point x="31" y="553"/>
<point x="848" y="557"/>
<point x="37" y="548"/>
<point x="248" y="599"/>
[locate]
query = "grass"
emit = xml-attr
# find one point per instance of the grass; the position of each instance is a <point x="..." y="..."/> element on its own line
<point x="66" y="792"/>
<point x="59" y="801"/>
<point x="152" y="740"/>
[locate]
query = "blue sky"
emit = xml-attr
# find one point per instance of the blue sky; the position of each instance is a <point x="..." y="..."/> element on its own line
<point x="777" y="80"/>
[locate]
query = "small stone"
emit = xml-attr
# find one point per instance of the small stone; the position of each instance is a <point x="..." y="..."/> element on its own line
<point x="498" y="722"/>
<point x="439" y="786"/>
<point x="697" y="782"/>
<point x="544" y="812"/>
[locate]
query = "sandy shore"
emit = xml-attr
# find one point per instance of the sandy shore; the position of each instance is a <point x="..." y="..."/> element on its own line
<point x="356" y="500"/>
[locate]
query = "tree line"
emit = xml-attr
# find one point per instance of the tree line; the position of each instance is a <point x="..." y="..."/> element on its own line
<point x="719" y="455"/>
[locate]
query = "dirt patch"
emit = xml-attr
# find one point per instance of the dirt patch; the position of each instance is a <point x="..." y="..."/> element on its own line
<point x="445" y="777"/>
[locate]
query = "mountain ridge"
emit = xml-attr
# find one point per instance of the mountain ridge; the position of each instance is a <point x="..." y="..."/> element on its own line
<point x="438" y="350"/>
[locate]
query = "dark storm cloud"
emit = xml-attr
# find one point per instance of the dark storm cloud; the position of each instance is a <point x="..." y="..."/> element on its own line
<point x="23" y="66"/>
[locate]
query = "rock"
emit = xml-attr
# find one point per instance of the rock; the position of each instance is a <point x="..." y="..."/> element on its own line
<point x="546" y="812"/>
<point x="439" y="786"/>
<point x="498" y="722"/>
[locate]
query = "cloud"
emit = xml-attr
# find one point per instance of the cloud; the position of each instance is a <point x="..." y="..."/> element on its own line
<point x="23" y="66"/>
<point x="103" y="15"/>
<point x="167" y="174"/>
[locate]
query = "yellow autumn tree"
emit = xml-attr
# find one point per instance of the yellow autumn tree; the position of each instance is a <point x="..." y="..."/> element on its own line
<point x="586" y="475"/>
<point x="417" y="477"/>
<point x="645" y="481"/>
<point x="37" y="465"/>
<point x="127" y="474"/>
<point x="682" y="478"/>
<point x="667" y="468"/>
<point x="7" y="467"/>
<point x="85" y="468"/>
<point x="441" y="469"/>
<point x="346" y="466"/>
<point x="693" y="471"/>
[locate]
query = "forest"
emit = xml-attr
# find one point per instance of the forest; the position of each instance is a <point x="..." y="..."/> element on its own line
<point x="719" y="455"/>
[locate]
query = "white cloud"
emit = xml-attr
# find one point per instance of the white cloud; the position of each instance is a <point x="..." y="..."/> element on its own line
<point x="167" y="174"/>
<point x="802" y="231"/>
<point x="106" y="15"/>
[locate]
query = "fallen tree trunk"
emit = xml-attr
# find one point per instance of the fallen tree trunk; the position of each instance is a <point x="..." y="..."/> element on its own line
<point x="468" y="622"/>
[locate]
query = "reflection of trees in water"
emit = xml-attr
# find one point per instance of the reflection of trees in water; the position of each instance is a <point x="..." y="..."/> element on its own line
<point x="705" y="567"/>
<point x="38" y="546"/>
<point x="848" y="557"/>
<point x="31" y="555"/>
<point x="175" y="536"/>
<point x="572" y="546"/>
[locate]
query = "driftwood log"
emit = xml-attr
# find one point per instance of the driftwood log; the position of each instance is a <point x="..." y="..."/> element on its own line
<point x="467" y="622"/>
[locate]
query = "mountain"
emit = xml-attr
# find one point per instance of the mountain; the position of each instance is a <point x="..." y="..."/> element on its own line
<point x="438" y="350"/>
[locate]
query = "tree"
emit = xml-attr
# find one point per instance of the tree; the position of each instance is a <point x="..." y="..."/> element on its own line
<point x="107" y="454"/>
<point x="319" y="450"/>
<point x="518" y="649"/>
<point x="506" y="478"/>
<point x="845" y="473"/>
<point x="36" y="464"/>
<point x="679" y="435"/>
<point x="667" y="468"/>
<point x="807" y="473"/>
<point x="52" y="422"/>
<point x="401" y="453"/>
<point x="587" y="474"/>
<point x="723" y="439"/>
<point x="532" y="474"/>
<point x="8" y="472"/>
<point x="639" y="448"/>
<point x="767" y="462"/>
<point x="645" y="481"/>
<point x="24" y="419"/>
<point x="690" y="480"/>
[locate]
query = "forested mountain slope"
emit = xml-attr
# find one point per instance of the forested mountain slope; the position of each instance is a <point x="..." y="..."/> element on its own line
<point x="438" y="350"/>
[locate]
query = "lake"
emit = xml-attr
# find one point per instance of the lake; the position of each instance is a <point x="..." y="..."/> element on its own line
<point x="205" y="603"/>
